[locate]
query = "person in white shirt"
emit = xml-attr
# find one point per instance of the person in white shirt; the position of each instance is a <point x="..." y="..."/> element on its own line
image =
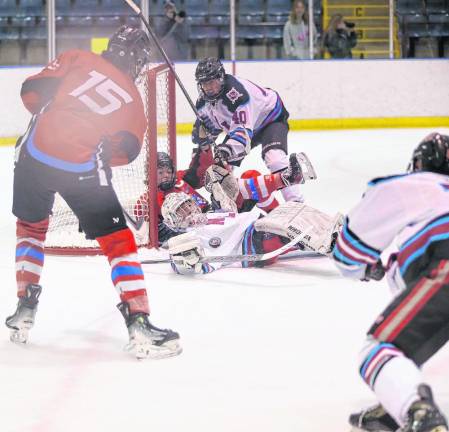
<point x="411" y="211"/>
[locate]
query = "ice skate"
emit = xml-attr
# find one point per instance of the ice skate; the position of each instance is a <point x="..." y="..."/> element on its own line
<point x="424" y="415"/>
<point x="373" y="419"/>
<point x="23" y="319"/>
<point x="299" y="170"/>
<point x="146" y="340"/>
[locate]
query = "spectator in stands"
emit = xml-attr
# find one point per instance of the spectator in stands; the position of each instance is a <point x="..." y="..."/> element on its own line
<point x="339" y="38"/>
<point x="174" y="33"/>
<point x="296" y="32"/>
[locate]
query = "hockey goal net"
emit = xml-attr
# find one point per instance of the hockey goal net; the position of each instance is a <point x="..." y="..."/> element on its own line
<point x="133" y="181"/>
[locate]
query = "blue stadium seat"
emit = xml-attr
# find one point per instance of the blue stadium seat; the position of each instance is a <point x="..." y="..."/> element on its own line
<point x="274" y="32"/>
<point x="439" y="25"/>
<point x="277" y="18"/>
<point x="196" y="19"/>
<point x="249" y="19"/>
<point x="133" y="21"/>
<point x="38" y="32"/>
<point x="252" y="7"/>
<point x="278" y="7"/>
<point x="8" y="8"/>
<point x="409" y="7"/>
<point x="202" y="32"/>
<point x="415" y="25"/>
<point x="32" y="8"/>
<point x="85" y="8"/>
<point x="219" y="7"/>
<point x="63" y="8"/>
<point x="437" y="6"/>
<point x="112" y="22"/>
<point x="117" y="7"/>
<point x="196" y="7"/>
<point x="219" y="20"/>
<point x="251" y="32"/>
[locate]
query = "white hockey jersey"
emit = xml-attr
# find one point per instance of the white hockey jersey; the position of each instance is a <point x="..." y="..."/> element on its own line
<point x="223" y="235"/>
<point x="241" y="111"/>
<point x="411" y="209"/>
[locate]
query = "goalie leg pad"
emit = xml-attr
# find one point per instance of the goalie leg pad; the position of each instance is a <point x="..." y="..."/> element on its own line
<point x="292" y="219"/>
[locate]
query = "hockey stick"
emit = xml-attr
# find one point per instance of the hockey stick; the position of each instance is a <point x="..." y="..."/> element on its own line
<point x="236" y="258"/>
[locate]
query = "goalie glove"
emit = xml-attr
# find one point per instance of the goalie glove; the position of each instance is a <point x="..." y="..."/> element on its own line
<point x="223" y="187"/>
<point x="186" y="252"/>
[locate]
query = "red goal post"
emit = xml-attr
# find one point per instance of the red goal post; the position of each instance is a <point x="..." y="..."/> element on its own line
<point x="135" y="183"/>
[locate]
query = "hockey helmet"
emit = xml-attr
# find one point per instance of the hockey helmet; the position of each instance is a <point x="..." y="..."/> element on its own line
<point x="209" y="69"/>
<point x="129" y="50"/>
<point x="165" y="161"/>
<point x="432" y="154"/>
<point x="180" y="211"/>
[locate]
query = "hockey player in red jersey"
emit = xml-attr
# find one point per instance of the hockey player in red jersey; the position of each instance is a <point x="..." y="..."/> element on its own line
<point x="87" y="116"/>
<point x="410" y="212"/>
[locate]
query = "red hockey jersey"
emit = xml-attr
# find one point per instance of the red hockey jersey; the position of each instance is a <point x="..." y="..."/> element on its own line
<point x="86" y="98"/>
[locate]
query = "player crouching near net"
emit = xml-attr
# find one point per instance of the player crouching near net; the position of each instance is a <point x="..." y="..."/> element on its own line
<point x="87" y="117"/>
<point x="212" y="239"/>
<point x="411" y="212"/>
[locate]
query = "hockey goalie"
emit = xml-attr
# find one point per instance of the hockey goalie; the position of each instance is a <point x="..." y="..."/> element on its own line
<point x="227" y="232"/>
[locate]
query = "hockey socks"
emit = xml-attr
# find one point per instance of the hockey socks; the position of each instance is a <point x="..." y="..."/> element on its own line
<point x="126" y="271"/>
<point x="29" y="253"/>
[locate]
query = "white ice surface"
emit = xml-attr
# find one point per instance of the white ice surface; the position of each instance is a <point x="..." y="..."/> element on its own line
<point x="265" y="350"/>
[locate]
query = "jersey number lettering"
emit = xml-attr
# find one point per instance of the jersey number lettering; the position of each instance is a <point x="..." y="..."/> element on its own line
<point x="239" y="117"/>
<point x="107" y="89"/>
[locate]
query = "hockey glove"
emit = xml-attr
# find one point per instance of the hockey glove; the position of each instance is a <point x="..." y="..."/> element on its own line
<point x="164" y="233"/>
<point x="186" y="252"/>
<point x="374" y="272"/>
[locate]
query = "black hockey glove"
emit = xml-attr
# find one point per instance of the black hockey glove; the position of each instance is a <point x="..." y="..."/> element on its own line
<point x="164" y="233"/>
<point x="374" y="272"/>
<point x="204" y="133"/>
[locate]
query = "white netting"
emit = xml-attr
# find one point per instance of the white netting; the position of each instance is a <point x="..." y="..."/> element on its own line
<point x="131" y="182"/>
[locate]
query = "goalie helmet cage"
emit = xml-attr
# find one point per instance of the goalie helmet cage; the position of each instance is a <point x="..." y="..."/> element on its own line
<point x="135" y="183"/>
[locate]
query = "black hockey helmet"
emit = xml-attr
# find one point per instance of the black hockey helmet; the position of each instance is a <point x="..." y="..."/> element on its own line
<point x="208" y="69"/>
<point x="129" y="50"/>
<point x="165" y="161"/>
<point x="432" y="154"/>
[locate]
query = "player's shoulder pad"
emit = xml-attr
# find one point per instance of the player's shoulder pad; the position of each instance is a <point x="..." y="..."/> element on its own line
<point x="235" y="94"/>
<point x="378" y="180"/>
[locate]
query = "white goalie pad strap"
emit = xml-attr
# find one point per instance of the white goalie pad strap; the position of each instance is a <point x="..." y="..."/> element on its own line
<point x="223" y="186"/>
<point x="183" y="242"/>
<point x="292" y="219"/>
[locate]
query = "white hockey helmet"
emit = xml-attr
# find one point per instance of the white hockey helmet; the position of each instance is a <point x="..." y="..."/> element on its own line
<point x="180" y="211"/>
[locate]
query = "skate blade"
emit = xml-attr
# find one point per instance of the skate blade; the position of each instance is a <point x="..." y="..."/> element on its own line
<point x="19" y="336"/>
<point x="307" y="168"/>
<point x="154" y="352"/>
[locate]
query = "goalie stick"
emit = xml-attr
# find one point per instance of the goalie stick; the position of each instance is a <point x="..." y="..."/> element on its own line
<point x="236" y="258"/>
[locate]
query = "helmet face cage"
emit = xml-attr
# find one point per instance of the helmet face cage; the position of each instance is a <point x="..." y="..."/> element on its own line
<point x="432" y="154"/>
<point x="180" y="211"/>
<point x="129" y="50"/>
<point x="210" y="69"/>
<point x="165" y="161"/>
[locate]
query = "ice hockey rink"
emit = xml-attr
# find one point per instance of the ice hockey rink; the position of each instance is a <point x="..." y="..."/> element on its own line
<point x="265" y="350"/>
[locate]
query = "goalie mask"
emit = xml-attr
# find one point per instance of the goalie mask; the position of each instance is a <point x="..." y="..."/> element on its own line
<point x="210" y="78"/>
<point x="432" y="154"/>
<point x="166" y="176"/>
<point x="128" y="49"/>
<point x="180" y="211"/>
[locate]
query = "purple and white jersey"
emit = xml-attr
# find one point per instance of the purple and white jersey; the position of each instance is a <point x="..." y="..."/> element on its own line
<point x="242" y="110"/>
<point x="410" y="209"/>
